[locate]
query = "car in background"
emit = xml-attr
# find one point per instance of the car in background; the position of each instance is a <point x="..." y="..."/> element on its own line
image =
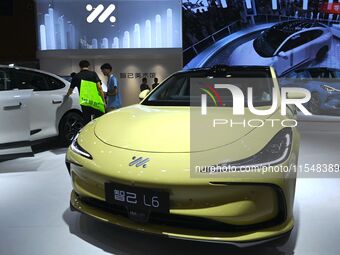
<point x="324" y="85"/>
<point x="336" y="30"/>
<point x="66" y="77"/>
<point x="285" y="46"/>
<point x="142" y="181"/>
<point x="33" y="108"/>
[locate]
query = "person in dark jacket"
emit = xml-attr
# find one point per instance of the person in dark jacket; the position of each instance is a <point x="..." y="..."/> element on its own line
<point x="155" y="83"/>
<point x="144" y="85"/>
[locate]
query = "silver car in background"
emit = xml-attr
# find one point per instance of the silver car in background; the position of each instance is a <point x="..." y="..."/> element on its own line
<point x="285" y="46"/>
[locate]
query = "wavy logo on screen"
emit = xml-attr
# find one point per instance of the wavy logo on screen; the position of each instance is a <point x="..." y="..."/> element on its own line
<point x="101" y="13"/>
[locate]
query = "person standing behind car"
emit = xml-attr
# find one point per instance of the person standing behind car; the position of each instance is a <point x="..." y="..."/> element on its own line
<point x="156" y="83"/>
<point x="85" y="74"/>
<point x="113" y="93"/>
<point x="144" y="85"/>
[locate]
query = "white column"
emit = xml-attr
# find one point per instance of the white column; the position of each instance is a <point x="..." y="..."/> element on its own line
<point x="169" y="28"/>
<point x="52" y="29"/>
<point x="62" y="33"/>
<point x="126" y="40"/>
<point x="94" y="43"/>
<point x="43" y="45"/>
<point x="248" y="4"/>
<point x="136" y="36"/>
<point x="274" y="4"/>
<point x="305" y="4"/>
<point x="147" y="34"/>
<point x="105" y="43"/>
<point x="72" y="36"/>
<point x="115" y="44"/>
<point x="47" y="31"/>
<point x="158" y="33"/>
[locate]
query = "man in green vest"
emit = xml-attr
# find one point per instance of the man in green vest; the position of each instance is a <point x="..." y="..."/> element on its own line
<point x="90" y="90"/>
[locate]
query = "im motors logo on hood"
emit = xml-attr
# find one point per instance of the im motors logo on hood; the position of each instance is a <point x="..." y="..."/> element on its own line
<point x="139" y="161"/>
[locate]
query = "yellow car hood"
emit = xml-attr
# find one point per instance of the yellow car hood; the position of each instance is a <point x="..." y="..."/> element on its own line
<point x="168" y="129"/>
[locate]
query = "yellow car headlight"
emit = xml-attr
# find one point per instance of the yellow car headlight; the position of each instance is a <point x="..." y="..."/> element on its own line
<point x="75" y="147"/>
<point x="274" y="153"/>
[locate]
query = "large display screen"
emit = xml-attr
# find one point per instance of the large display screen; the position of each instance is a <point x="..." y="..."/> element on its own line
<point x="299" y="39"/>
<point x="105" y="24"/>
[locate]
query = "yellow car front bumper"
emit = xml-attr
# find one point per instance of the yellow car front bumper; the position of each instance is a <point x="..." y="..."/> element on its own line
<point x="237" y="238"/>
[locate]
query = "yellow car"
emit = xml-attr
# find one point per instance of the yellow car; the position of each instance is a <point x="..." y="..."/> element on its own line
<point x="133" y="168"/>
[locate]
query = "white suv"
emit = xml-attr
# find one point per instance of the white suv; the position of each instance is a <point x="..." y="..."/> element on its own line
<point x="32" y="108"/>
<point x="285" y="46"/>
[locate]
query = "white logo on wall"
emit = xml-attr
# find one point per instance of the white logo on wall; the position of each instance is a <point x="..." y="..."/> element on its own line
<point x="101" y="13"/>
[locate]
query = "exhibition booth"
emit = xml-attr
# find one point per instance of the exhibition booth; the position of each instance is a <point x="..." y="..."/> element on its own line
<point x="235" y="150"/>
<point x="129" y="65"/>
<point x="138" y="38"/>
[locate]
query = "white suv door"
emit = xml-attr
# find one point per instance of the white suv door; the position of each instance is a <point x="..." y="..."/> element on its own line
<point x="46" y="102"/>
<point x="296" y="52"/>
<point x="14" y="120"/>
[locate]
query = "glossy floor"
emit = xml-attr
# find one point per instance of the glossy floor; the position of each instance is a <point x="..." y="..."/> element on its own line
<point x="35" y="217"/>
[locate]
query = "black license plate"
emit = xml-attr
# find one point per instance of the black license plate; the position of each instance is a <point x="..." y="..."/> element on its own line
<point x="136" y="198"/>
